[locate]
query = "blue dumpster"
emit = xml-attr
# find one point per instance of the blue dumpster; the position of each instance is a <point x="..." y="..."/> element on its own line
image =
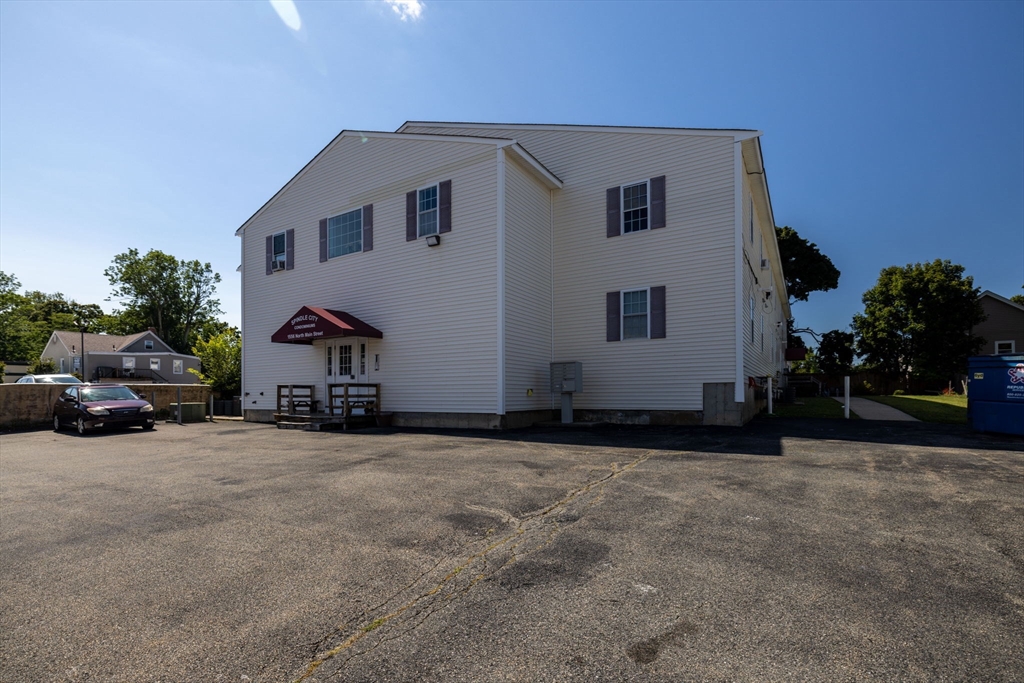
<point x="995" y="394"/>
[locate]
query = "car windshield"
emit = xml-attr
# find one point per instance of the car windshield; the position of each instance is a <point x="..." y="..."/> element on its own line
<point x="108" y="394"/>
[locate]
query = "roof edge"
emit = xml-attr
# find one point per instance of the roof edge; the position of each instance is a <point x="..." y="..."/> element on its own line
<point x="1000" y="297"/>
<point x="740" y="133"/>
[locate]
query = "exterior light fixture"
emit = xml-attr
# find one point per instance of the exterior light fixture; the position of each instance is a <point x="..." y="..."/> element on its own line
<point x="433" y="240"/>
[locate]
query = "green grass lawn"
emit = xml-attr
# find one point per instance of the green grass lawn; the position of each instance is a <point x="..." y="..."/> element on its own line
<point x="949" y="409"/>
<point x="811" y="407"/>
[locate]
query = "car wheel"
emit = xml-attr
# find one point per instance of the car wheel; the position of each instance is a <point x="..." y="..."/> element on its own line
<point x="147" y="427"/>
<point x="81" y="426"/>
<point x="56" y="423"/>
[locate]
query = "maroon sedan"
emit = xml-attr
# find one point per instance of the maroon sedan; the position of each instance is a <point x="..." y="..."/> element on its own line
<point x="89" y="406"/>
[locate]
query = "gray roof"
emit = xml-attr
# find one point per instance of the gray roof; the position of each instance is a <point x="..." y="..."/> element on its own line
<point x="99" y="342"/>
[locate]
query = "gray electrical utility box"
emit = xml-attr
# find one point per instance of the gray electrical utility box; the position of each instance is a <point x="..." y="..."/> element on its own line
<point x="566" y="378"/>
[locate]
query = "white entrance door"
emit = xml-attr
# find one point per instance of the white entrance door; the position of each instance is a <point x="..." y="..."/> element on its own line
<point x="346" y="364"/>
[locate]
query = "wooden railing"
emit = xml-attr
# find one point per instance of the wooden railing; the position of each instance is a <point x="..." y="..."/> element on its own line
<point x="295" y="398"/>
<point x="349" y="397"/>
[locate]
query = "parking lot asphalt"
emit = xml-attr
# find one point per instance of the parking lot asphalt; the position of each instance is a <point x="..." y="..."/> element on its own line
<point x="790" y="550"/>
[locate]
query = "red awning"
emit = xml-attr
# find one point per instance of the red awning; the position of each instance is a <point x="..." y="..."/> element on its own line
<point x="312" y="323"/>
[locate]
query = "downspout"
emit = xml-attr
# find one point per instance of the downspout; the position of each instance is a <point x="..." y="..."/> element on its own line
<point x="501" y="280"/>
<point x="740" y="392"/>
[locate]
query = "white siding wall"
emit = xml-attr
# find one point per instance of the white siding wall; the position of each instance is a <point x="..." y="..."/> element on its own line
<point x="528" y="285"/>
<point x="761" y="357"/>
<point x="435" y="306"/>
<point x="693" y="257"/>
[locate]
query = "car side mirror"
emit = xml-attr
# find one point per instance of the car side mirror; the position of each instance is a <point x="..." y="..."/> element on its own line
<point x="142" y="396"/>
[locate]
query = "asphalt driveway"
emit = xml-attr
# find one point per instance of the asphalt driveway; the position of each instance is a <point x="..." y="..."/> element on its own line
<point x="789" y="550"/>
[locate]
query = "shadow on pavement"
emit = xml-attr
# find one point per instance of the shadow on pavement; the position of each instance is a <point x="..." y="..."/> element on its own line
<point x="762" y="436"/>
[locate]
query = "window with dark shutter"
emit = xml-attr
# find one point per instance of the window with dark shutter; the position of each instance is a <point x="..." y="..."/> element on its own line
<point x="613" y="323"/>
<point x="658" y="312"/>
<point x="368" y="227"/>
<point x="658" y="202"/>
<point x="323" y="240"/>
<point x="270" y="254"/>
<point x="289" y="250"/>
<point x="410" y="216"/>
<point x="444" y="207"/>
<point x="613" y="221"/>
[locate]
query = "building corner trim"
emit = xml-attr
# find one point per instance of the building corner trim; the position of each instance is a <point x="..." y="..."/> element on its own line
<point x="501" y="280"/>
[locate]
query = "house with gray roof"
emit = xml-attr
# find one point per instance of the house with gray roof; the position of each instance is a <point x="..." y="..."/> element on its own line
<point x="135" y="357"/>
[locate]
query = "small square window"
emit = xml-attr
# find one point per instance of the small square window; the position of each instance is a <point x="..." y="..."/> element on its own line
<point x="634" y="314"/>
<point x="345" y="233"/>
<point x="1005" y="348"/>
<point x="426" y="211"/>
<point x="177" y="367"/>
<point x="634" y="207"/>
<point x="149" y="344"/>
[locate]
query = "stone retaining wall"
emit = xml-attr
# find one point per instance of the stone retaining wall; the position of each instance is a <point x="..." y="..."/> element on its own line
<point x="30" y="406"/>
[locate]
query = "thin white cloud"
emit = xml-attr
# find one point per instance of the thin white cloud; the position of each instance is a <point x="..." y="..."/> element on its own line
<point x="407" y="10"/>
<point x="288" y="12"/>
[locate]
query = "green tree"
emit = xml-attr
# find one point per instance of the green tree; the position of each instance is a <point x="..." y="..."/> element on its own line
<point x="221" y="357"/>
<point x="804" y="267"/>
<point x="835" y="353"/>
<point x="917" y="321"/>
<point x="1018" y="299"/>
<point x="43" y="366"/>
<point x="14" y="325"/>
<point x="809" y="365"/>
<point x="176" y="297"/>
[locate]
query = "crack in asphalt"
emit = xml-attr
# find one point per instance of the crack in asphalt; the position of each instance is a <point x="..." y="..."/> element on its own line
<point x="532" y="532"/>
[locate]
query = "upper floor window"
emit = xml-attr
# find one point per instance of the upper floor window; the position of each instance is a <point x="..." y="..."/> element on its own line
<point x="345" y="233"/>
<point x="634" y="207"/>
<point x="426" y="211"/>
<point x="148" y="344"/>
<point x="279" y="252"/>
<point x="1005" y="348"/>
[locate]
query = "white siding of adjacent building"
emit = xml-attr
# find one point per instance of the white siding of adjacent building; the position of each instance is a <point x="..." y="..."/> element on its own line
<point x="435" y="306"/>
<point x="528" y="290"/>
<point x="693" y="257"/>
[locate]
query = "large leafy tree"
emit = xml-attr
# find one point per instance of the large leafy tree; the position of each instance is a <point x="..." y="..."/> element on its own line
<point x="804" y="267"/>
<point x="917" y="321"/>
<point x="176" y="297"/>
<point x="221" y="357"/>
<point x="835" y="352"/>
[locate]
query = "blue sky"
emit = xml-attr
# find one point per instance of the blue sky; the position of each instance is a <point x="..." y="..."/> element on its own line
<point x="893" y="133"/>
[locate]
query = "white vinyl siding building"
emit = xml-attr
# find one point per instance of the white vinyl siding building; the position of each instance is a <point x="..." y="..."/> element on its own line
<point x="524" y="271"/>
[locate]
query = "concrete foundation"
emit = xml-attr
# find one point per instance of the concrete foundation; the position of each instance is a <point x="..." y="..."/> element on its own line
<point x="639" y="417"/>
<point x="721" y="409"/>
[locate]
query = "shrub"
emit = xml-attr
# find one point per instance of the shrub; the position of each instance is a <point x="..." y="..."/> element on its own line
<point x="899" y="392"/>
<point x="3" y="371"/>
<point x="43" y="366"/>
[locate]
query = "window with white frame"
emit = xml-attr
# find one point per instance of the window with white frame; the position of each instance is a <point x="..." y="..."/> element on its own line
<point x="634" y="207"/>
<point x="178" y="367"/>
<point x="426" y="211"/>
<point x="634" y="314"/>
<point x="1005" y="348"/>
<point x="154" y="364"/>
<point x="345" y="233"/>
<point x="279" y="249"/>
<point x="148" y="344"/>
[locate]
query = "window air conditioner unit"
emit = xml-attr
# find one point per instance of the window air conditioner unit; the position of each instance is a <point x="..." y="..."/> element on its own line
<point x="765" y="264"/>
<point x="277" y="265"/>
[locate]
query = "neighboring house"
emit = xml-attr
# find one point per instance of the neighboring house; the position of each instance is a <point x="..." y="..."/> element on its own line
<point x="452" y="263"/>
<point x="1003" y="330"/>
<point x="109" y="356"/>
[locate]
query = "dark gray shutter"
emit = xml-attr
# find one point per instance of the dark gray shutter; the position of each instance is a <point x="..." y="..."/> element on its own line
<point x="613" y="207"/>
<point x="270" y="254"/>
<point x="657" y="312"/>
<point x="658" y="202"/>
<point x="289" y="249"/>
<point x="368" y="227"/>
<point x="323" y="240"/>
<point x="613" y="325"/>
<point x="444" y="207"/>
<point x="410" y="216"/>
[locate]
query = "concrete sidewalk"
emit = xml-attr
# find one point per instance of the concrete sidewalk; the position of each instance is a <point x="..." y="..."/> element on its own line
<point x="867" y="409"/>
